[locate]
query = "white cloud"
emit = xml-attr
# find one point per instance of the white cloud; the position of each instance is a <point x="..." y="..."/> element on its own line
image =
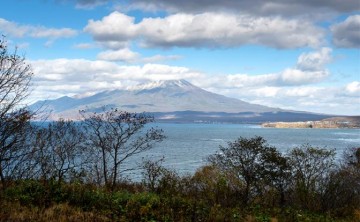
<point x="302" y="91"/>
<point x="353" y="87"/>
<point x="300" y="77"/>
<point x="116" y="27"/>
<point x="125" y="55"/>
<point x="42" y="32"/>
<point x="329" y="100"/>
<point x="269" y="83"/>
<point x="346" y="34"/>
<point x="89" y="4"/>
<point x="314" y="60"/>
<point x="244" y="80"/>
<point x="114" y="45"/>
<point x="76" y="70"/>
<point x="84" y="46"/>
<point x="266" y="91"/>
<point x="260" y="7"/>
<point x="206" y="30"/>
<point x="11" y="28"/>
<point x="158" y="58"/>
<point x="293" y="88"/>
<point x="16" y="30"/>
<point x="310" y="69"/>
<point x="55" y="78"/>
<point x="89" y="76"/>
<point x="288" y="77"/>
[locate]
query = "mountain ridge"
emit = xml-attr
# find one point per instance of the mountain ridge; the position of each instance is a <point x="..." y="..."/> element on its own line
<point x="167" y="96"/>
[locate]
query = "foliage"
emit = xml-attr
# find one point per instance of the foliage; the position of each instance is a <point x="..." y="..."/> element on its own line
<point x="257" y="165"/>
<point x="213" y="193"/>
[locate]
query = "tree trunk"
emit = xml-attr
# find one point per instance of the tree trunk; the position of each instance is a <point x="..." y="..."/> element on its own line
<point x="104" y="167"/>
<point x="116" y="164"/>
<point x="2" y="178"/>
<point x="246" y="194"/>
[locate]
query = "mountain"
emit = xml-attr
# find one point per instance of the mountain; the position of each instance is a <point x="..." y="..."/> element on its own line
<point x="169" y="100"/>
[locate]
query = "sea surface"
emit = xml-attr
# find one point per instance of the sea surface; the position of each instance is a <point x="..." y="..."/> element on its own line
<point x="188" y="145"/>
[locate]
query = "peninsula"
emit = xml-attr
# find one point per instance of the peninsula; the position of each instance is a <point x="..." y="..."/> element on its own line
<point x="334" y="122"/>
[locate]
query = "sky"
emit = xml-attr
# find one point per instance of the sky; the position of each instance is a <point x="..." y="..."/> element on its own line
<point x="292" y="54"/>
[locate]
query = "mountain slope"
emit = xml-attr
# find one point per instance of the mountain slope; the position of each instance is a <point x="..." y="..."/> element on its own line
<point x="162" y="96"/>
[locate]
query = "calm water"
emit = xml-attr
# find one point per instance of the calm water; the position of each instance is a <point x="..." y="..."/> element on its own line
<point x="187" y="145"/>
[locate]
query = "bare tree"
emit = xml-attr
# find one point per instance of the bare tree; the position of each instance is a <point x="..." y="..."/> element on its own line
<point x="15" y="130"/>
<point x="312" y="168"/>
<point x="15" y="77"/>
<point x="116" y="136"/>
<point x="343" y="188"/>
<point x="153" y="173"/>
<point x="59" y="150"/>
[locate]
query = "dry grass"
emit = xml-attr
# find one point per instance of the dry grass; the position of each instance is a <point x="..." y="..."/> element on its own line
<point x="60" y="213"/>
<point x="357" y="215"/>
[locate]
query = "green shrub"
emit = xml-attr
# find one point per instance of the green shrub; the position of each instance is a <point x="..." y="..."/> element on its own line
<point x="28" y="192"/>
<point x="143" y="207"/>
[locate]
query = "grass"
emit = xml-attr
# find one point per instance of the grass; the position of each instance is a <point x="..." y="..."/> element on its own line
<point x="35" y="201"/>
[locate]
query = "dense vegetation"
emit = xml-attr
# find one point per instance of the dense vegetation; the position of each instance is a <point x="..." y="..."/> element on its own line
<point x="72" y="171"/>
<point x="246" y="181"/>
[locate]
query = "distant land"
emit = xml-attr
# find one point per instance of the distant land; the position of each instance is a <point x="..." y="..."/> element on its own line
<point x="176" y="101"/>
<point x="334" y="122"/>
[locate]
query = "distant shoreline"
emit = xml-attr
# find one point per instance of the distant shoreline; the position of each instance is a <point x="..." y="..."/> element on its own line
<point x="329" y="123"/>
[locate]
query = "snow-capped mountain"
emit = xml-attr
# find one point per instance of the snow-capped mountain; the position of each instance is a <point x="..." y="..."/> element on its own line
<point x="156" y="97"/>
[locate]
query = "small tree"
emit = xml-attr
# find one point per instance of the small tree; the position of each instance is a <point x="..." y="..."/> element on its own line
<point x="276" y="173"/>
<point x="15" y="76"/>
<point x="15" y="132"/>
<point x="216" y="187"/>
<point x="351" y="157"/>
<point x="343" y="189"/>
<point x="254" y="163"/>
<point x="116" y="136"/>
<point x="59" y="150"/>
<point x="153" y="171"/>
<point x="311" y="170"/>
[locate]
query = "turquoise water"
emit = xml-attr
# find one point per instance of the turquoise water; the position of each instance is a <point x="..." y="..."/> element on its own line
<point x="187" y="145"/>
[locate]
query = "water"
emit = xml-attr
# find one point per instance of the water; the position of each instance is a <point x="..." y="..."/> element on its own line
<point x="188" y="145"/>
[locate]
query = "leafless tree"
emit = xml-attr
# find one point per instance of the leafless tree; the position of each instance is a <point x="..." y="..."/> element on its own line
<point x="343" y="189"/>
<point x="312" y="167"/>
<point x="59" y="151"/>
<point x="15" y="77"/>
<point x="153" y="173"/>
<point x="116" y="136"/>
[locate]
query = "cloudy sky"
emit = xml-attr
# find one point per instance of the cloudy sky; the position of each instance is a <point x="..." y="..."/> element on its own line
<point x="293" y="54"/>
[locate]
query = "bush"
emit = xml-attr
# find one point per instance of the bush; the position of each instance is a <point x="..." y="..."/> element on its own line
<point x="28" y="193"/>
<point x="143" y="207"/>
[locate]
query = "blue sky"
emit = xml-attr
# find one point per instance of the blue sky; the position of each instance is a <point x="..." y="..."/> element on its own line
<point x="300" y="55"/>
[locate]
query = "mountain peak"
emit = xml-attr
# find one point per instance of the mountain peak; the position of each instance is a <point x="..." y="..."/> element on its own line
<point x="181" y="83"/>
<point x="159" y="96"/>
